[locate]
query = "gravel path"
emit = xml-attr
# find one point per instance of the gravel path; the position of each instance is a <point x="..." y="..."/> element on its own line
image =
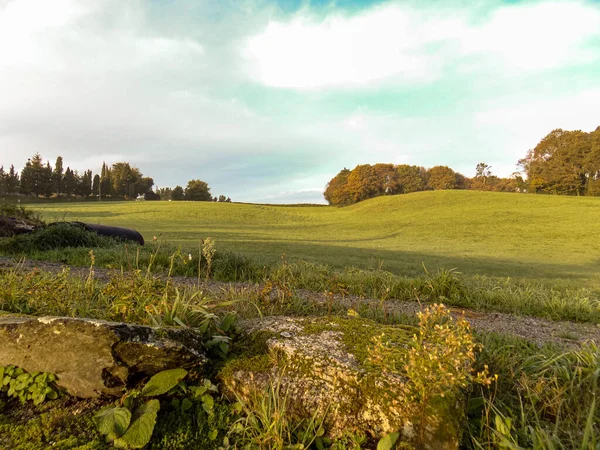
<point x="540" y="331"/>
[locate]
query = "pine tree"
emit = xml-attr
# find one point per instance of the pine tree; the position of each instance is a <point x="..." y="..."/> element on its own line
<point x="46" y="183"/>
<point x="86" y="184"/>
<point x="27" y="179"/>
<point x="70" y="183"/>
<point x="12" y="181"/>
<point x="3" y="177"/>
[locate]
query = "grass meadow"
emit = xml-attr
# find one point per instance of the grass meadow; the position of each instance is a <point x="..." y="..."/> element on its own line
<point x="522" y="254"/>
<point x="548" y="239"/>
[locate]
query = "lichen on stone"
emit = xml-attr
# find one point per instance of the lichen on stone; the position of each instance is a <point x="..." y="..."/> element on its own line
<point x="323" y="366"/>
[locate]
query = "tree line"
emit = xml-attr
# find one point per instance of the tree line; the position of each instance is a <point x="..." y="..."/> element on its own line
<point x="120" y="180"/>
<point x="368" y="181"/>
<point x="564" y="162"/>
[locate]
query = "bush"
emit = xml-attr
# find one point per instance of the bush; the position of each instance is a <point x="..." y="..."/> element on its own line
<point x="55" y="237"/>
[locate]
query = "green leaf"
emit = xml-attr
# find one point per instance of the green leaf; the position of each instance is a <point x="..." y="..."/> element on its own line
<point x="186" y="404"/>
<point x="228" y="321"/>
<point x="319" y="444"/>
<point x="203" y="328"/>
<point x="388" y="442"/>
<point x="113" y="422"/>
<point x="163" y="382"/>
<point x="224" y="347"/>
<point x="130" y="398"/>
<point x="142" y="425"/>
<point x="212" y="434"/>
<point x="207" y="402"/>
<point x="41" y="378"/>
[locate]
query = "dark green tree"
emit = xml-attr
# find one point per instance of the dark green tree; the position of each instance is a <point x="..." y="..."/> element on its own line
<point x="47" y="185"/>
<point x="71" y="183"/>
<point x="106" y="186"/>
<point x="177" y="193"/>
<point x="12" y="181"/>
<point x="124" y="179"/>
<point x="3" y="177"/>
<point x="27" y="179"/>
<point x="166" y="193"/>
<point x="197" y="191"/>
<point x="85" y="186"/>
<point x="96" y="186"/>
<point x="57" y="176"/>
<point x="143" y="186"/>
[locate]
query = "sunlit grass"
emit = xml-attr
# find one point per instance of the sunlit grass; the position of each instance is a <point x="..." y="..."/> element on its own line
<point x="545" y="238"/>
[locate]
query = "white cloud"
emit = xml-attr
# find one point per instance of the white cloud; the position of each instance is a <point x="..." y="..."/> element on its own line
<point x="535" y="36"/>
<point x="384" y="42"/>
<point x="396" y="41"/>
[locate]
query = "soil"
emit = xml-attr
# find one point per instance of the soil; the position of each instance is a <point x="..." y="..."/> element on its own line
<point x="537" y="330"/>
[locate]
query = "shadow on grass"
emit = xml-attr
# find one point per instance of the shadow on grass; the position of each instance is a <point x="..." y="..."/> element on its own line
<point x="411" y="263"/>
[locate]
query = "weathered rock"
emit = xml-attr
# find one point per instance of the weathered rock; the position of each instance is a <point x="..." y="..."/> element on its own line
<point x="93" y="357"/>
<point x="322" y="366"/>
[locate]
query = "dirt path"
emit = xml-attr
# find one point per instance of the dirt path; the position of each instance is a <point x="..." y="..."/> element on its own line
<point x="540" y="331"/>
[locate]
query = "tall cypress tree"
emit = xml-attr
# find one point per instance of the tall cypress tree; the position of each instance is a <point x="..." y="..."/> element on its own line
<point x="57" y="176"/>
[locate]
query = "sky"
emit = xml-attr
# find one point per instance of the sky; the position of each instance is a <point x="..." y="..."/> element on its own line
<point x="267" y="100"/>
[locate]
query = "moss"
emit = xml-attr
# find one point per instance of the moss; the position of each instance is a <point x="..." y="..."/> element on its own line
<point x="249" y="355"/>
<point x="357" y="333"/>
<point x="64" y="424"/>
<point x="178" y="430"/>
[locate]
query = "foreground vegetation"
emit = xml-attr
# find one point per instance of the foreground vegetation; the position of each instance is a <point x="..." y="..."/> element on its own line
<point x="544" y="397"/>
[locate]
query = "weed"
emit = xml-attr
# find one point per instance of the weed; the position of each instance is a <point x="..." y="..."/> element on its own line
<point x="269" y="425"/>
<point x="20" y="384"/>
<point x="545" y="398"/>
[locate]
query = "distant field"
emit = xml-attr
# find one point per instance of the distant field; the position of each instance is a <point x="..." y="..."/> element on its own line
<point x="498" y="234"/>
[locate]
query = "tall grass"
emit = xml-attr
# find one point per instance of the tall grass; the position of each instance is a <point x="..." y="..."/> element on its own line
<point x="546" y="398"/>
<point x="447" y="286"/>
<point x="268" y="424"/>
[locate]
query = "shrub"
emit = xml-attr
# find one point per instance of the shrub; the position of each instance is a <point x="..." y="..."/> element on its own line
<point x="53" y="237"/>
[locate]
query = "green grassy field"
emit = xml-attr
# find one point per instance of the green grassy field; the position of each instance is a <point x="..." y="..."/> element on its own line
<point x="546" y="238"/>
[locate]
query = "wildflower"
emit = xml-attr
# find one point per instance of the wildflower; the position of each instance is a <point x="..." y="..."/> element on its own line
<point x="154" y="238"/>
<point x="190" y="256"/>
